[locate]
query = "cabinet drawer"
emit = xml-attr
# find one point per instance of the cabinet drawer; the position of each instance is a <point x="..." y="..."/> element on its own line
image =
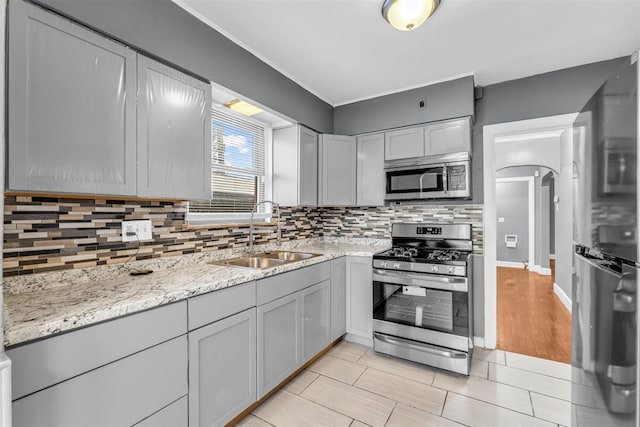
<point x="119" y="394"/>
<point x="174" y="415"/>
<point x="211" y="307"/>
<point x="49" y="361"/>
<point x="278" y="286"/>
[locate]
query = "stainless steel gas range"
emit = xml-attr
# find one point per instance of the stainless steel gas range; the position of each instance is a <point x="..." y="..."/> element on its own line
<point x="422" y="296"/>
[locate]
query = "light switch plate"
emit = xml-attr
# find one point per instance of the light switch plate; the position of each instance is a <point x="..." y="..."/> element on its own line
<point x="136" y="230"/>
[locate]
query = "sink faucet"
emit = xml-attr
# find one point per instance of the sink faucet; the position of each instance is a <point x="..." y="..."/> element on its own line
<point x="252" y="227"/>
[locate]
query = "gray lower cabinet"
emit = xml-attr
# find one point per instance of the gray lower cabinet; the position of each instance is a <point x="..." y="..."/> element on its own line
<point x="122" y="393"/>
<point x="338" y="297"/>
<point x="316" y="319"/>
<point x="71" y="107"/>
<point x="279" y="338"/>
<point x="360" y="298"/>
<point x="174" y="133"/>
<point x="337" y="171"/>
<point x="222" y="369"/>
<point x="174" y="415"/>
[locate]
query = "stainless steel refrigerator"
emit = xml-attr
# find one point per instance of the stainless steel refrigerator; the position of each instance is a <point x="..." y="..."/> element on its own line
<point x="605" y="261"/>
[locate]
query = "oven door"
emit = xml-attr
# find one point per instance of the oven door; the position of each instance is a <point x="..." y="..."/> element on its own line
<point x="416" y="182"/>
<point x="422" y="307"/>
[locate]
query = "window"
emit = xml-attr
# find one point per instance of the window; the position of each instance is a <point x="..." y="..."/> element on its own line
<point x="238" y="176"/>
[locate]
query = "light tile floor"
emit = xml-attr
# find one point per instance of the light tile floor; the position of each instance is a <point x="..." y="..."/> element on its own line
<point x="353" y="386"/>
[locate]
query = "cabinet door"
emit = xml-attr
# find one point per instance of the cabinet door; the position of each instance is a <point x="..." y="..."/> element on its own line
<point x="316" y="319"/>
<point x="222" y="369"/>
<point x="338" y="297"/>
<point x="370" y="167"/>
<point x="71" y="107"/>
<point x="451" y="136"/>
<point x="308" y="168"/>
<point x="338" y="170"/>
<point x="278" y="342"/>
<point x="403" y="143"/>
<point x="174" y="133"/>
<point x="360" y="297"/>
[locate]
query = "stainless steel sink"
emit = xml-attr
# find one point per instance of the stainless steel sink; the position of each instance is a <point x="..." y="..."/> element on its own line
<point x="290" y="256"/>
<point x="265" y="260"/>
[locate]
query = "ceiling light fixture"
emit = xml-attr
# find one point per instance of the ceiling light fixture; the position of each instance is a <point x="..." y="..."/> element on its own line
<point x="243" y="107"/>
<point x="407" y="15"/>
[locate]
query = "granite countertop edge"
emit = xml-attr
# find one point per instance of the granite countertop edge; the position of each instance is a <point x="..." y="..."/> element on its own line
<point x="41" y="313"/>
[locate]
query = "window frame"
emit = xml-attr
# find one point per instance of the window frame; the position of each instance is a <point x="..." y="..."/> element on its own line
<point x="197" y="219"/>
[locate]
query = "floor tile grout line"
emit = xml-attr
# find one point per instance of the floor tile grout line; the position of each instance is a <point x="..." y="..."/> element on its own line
<point x="261" y="419"/>
<point x="498" y="406"/>
<point x="338" y="412"/>
<point x="308" y="385"/>
<point x="532" y="391"/>
<point x="391" y="413"/>
<point x="533" y="409"/>
<point x="324" y="407"/>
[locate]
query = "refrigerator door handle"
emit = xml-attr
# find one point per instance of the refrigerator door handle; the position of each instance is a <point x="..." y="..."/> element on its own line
<point x="624" y="302"/>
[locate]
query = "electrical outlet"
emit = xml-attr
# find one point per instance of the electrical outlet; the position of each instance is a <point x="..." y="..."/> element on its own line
<point x="422" y="103"/>
<point x="136" y="230"/>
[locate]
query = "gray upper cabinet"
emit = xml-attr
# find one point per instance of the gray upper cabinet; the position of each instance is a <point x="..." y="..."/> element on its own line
<point x="295" y="166"/>
<point x="222" y="369"/>
<point x="71" y="104"/>
<point x="370" y="168"/>
<point x="450" y="136"/>
<point x="404" y="143"/>
<point x="337" y="178"/>
<point x="174" y="133"/>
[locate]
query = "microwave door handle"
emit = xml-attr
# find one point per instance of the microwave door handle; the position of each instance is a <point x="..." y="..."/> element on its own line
<point x="445" y="179"/>
<point x="421" y="178"/>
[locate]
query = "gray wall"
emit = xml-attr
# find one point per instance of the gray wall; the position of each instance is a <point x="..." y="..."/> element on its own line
<point x="512" y="204"/>
<point x="164" y="30"/>
<point x="445" y="100"/>
<point x="558" y="92"/>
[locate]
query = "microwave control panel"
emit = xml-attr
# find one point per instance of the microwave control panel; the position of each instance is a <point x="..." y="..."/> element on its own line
<point x="457" y="177"/>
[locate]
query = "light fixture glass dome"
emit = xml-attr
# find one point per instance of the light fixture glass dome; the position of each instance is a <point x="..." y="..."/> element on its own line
<point x="407" y="15"/>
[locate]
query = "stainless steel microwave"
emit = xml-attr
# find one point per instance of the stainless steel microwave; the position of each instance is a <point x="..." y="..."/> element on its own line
<point x="445" y="176"/>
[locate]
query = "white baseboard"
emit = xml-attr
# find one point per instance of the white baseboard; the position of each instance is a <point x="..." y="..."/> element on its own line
<point x="478" y="341"/>
<point x="564" y="298"/>
<point x="509" y="264"/>
<point x="543" y="271"/>
<point x="359" y="340"/>
<point x="552" y="256"/>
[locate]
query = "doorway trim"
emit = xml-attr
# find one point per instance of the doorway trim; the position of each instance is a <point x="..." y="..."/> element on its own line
<point x="532" y="220"/>
<point x="489" y="134"/>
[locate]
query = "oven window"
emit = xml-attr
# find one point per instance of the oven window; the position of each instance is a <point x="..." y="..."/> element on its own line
<point x="414" y="181"/>
<point x="445" y="311"/>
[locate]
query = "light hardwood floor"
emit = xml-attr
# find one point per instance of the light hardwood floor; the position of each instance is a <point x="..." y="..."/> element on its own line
<point x="353" y="386"/>
<point x="531" y="318"/>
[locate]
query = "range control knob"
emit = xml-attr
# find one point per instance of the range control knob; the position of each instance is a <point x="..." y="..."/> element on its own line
<point x="383" y="264"/>
<point x="452" y="270"/>
<point x="434" y="268"/>
<point x="396" y="265"/>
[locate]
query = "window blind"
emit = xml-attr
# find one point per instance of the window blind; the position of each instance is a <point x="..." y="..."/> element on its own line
<point x="237" y="165"/>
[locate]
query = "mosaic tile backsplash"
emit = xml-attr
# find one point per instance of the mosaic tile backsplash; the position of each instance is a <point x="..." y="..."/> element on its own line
<point x="49" y="233"/>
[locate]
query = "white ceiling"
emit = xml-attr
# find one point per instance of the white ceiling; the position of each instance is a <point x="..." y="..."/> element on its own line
<point x="343" y="50"/>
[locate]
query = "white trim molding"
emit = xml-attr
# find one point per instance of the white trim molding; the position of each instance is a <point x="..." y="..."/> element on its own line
<point x="562" y="296"/>
<point x="489" y="134"/>
<point x="510" y="264"/>
<point x="552" y="256"/>
<point x="543" y="271"/>
<point x="478" y="342"/>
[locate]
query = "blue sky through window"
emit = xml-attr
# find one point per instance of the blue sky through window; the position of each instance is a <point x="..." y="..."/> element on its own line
<point x="238" y="145"/>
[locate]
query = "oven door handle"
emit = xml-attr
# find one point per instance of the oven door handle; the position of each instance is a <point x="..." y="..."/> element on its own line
<point x="426" y="348"/>
<point x="404" y="278"/>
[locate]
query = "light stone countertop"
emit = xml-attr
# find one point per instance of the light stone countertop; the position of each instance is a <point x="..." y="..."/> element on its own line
<point x="50" y="303"/>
